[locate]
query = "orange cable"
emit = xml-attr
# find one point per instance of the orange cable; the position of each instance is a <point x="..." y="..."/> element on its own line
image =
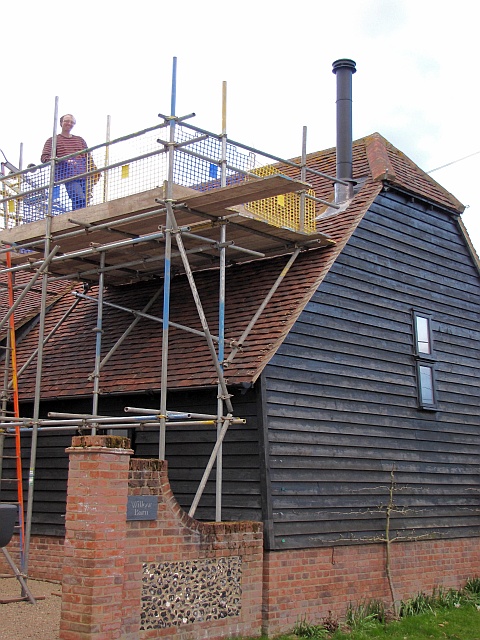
<point x="16" y="406"/>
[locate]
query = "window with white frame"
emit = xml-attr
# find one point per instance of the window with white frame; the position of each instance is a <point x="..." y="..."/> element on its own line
<point x="426" y="385"/>
<point x="423" y="334"/>
<point x="422" y="325"/>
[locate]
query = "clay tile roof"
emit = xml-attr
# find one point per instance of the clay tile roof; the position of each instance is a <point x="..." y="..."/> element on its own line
<point x="389" y="164"/>
<point x="30" y="305"/>
<point x="135" y="365"/>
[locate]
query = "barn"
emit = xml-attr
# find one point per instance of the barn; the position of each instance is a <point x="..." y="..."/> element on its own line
<point x="346" y="385"/>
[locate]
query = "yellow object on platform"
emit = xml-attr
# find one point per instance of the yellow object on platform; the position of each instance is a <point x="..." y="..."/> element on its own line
<point x="284" y="211"/>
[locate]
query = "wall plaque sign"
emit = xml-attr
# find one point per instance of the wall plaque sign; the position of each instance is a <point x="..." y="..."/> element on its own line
<point x="142" y="507"/>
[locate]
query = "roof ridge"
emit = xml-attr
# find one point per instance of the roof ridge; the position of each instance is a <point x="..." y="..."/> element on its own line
<point x="378" y="159"/>
<point x="388" y="163"/>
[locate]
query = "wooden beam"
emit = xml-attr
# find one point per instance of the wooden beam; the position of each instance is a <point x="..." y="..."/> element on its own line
<point x="224" y="197"/>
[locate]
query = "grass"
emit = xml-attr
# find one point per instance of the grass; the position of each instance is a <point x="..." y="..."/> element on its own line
<point x="449" y="624"/>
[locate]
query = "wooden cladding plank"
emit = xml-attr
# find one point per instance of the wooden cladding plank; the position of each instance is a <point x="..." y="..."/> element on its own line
<point x="382" y="450"/>
<point x="329" y="481"/>
<point x="282" y="463"/>
<point x="379" y="427"/>
<point x="416" y="443"/>
<point x="300" y="541"/>
<point x="297" y="507"/>
<point x="400" y="520"/>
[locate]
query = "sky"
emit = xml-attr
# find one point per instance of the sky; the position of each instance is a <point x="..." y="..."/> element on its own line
<point x="415" y="84"/>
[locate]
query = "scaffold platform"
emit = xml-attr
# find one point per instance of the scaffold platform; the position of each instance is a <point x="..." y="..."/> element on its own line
<point x="130" y="228"/>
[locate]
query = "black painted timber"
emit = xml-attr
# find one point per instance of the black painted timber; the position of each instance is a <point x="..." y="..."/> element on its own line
<point x="343" y="420"/>
<point x="188" y="451"/>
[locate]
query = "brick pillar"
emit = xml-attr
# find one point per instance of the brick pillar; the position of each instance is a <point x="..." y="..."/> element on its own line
<point x="95" y="538"/>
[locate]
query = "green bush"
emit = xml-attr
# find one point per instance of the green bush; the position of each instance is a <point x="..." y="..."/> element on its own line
<point x="304" y="629"/>
<point x="365" y="615"/>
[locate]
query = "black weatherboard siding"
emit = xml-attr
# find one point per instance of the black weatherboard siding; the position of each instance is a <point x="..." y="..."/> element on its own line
<point x="347" y="436"/>
<point x="188" y="451"/>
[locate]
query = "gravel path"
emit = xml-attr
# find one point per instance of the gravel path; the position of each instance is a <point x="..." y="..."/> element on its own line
<point x="22" y="620"/>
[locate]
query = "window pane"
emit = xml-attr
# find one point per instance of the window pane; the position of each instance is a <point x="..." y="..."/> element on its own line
<point x="426" y="385"/>
<point x="423" y="335"/>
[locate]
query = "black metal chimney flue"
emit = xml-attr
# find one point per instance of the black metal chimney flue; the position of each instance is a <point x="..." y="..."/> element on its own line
<point x="344" y="70"/>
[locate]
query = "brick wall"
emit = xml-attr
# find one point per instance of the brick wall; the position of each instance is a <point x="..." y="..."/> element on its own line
<point x="45" y="558"/>
<point x="328" y="579"/>
<point x="216" y="563"/>
<point x="316" y="580"/>
<point x="94" y="551"/>
<point x="170" y="577"/>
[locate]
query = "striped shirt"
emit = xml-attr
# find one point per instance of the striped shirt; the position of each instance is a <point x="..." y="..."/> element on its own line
<point x="65" y="146"/>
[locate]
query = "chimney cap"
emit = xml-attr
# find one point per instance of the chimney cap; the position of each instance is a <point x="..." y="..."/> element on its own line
<point x="344" y="63"/>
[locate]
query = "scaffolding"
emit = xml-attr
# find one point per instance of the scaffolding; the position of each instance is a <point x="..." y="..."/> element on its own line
<point x="183" y="197"/>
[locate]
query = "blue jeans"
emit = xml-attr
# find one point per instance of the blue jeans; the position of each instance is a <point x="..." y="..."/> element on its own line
<point x="77" y="192"/>
<point x="76" y="189"/>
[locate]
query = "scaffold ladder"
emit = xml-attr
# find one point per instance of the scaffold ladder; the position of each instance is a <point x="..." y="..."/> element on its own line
<point x="13" y="484"/>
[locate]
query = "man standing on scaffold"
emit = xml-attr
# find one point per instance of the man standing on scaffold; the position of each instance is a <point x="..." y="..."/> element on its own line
<point x="67" y="144"/>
